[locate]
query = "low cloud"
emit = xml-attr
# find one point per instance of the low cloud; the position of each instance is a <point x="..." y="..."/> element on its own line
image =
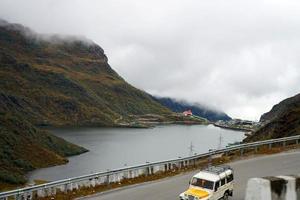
<point x="237" y="56"/>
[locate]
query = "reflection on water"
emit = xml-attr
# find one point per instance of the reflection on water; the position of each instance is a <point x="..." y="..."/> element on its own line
<point x="112" y="148"/>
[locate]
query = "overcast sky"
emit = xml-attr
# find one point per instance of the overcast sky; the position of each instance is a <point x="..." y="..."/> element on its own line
<point x="235" y="55"/>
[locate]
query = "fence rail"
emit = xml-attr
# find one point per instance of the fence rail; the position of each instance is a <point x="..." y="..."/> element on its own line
<point x="117" y="175"/>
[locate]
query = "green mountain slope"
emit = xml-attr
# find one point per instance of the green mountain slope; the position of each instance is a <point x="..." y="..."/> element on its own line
<point x="65" y="82"/>
<point x="283" y="120"/>
<point x="24" y="147"/>
<point x="56" y="81"/>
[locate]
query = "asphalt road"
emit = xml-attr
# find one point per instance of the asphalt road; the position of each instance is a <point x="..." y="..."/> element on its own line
<point x="169" y="188"/>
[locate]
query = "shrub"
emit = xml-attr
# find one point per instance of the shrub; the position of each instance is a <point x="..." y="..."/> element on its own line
<point x="9" y="177"/>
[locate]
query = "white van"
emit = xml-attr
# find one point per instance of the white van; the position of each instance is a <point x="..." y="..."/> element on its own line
<point x="212" y="183"/>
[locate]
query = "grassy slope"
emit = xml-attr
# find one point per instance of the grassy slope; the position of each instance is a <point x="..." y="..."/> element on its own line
<point x="283" y="120"/>
<point x="62" y="83"/>
<point x="66" y="83"/>
<point x="24" y="147"/>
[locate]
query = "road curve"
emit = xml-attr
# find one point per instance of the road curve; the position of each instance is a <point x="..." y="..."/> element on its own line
<point x="169" y="188"/>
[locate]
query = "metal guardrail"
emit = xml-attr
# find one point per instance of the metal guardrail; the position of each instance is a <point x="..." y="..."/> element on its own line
<point x="117" y="175"/>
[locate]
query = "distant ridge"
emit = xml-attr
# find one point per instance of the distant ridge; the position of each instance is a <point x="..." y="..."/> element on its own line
<point x="199" y="110"/>
<point x="281" y="121"/>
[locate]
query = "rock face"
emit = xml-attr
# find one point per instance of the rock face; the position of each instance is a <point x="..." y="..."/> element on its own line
<point x="282" y="108"/>
<point x="199" y="110"/>
<point x="56" y="81"/>
<point x="283" y="120"/>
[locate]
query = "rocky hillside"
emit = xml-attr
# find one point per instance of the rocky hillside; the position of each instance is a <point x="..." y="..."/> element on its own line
<point x="199" y="110"/>
<point x="283" y="120"/>
<point x="64" y="81"/>
<point x="56" y="81"/>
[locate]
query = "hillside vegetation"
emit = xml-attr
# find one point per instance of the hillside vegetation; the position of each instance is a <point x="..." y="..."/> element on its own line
<point x="64" y="82"/>
<point x="281" y="121"/>
<point x="56" y="81"/>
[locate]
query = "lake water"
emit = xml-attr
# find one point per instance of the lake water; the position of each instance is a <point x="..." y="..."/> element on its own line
<point x="112" y="148"/>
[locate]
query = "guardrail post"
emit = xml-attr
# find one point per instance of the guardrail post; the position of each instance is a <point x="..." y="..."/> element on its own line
<point x="107" y="179"/>
<point x="40" y="193"/>
<point x="284" y="143"/>
<point x="64" y="188"/>
<point x="297" y="141"/>
<point x="130" y="175"/>
<point x="270" y="146"/>
<point x="18" y="197"/>
<point x="93" y="182"/>
<point x="242" y="152"/>
<point x="256" y="149"/>
<point x="50" y="191"/>
<point x="70" y="187"/>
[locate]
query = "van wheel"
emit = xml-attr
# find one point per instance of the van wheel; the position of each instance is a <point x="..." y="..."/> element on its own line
<point x="225" y="197"/>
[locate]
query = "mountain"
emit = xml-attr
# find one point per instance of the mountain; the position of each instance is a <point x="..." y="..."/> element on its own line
<point x="281" y="121"/>
<point x="64" y="81"/>
<point x="199" y="110"/>
<point x="50" y="80"/>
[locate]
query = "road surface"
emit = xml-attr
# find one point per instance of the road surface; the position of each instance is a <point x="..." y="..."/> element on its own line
<point x="169" y="188"/>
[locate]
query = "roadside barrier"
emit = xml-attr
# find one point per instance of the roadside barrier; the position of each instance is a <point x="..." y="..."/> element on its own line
<point x="116" y="176"/>
<point x="274" y="188"/>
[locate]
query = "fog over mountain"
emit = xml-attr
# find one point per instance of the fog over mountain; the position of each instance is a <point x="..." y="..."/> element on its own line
<point x="238" y="56"/>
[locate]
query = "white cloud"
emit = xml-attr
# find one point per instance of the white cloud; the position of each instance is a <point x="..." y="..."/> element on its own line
<point x="237" y="55"/>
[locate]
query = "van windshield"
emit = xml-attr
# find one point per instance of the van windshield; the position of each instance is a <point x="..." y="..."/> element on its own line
<point x="202" y="183"/>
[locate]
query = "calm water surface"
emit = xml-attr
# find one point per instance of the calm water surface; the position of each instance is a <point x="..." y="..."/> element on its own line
<point x="112" y="148"/>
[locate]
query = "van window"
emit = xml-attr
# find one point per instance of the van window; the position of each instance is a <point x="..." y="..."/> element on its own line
<point x="223" y="181"/>
<point x="202" y="183"/>
<point x="217" y="185"/>
<point x="230" y="178"/>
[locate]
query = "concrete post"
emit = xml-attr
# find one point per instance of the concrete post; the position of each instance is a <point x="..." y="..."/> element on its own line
<point x="93" y="182"/>
<point x="61" y="188"/>
<point x="41" y="193"/>
<point x="70" y="187"/>
<point x="75" y="186"/>
<point x="19" y="197"/>
<point x="129" y="174"/>
<point x="98" y="180"/>
<point x="107" y="180"/>
<point x="50" y="191"/>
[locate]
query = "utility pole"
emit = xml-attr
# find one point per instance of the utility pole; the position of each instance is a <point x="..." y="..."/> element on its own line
<point x="191" y="148"/>
<point x="220" y="141"/>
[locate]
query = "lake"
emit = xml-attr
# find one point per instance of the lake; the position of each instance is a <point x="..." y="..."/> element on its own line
<point x="112" y="148"/>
